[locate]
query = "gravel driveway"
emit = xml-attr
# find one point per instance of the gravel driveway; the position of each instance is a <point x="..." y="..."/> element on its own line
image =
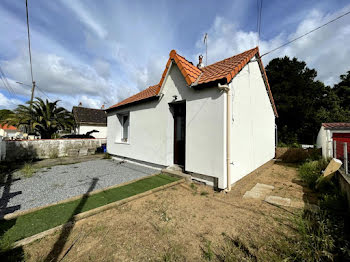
<point x="49" y="185"/>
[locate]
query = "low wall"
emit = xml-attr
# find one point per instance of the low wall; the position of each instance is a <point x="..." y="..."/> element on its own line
<point x="344" y="183"/>
<point x="50" y="148"/>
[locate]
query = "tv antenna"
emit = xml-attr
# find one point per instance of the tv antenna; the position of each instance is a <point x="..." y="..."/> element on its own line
<point x="205" y="40"/>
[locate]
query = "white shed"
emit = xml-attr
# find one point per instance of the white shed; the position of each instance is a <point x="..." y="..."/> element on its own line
<point x="325" y="136"/>
<point x="216" y="122"/>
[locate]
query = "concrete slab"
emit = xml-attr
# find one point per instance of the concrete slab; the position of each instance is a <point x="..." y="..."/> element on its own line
<point x="259" y="191"/>
<point x="264" y="186"/>
<point x="252" y="194"/>
<point x="276" y="200"/>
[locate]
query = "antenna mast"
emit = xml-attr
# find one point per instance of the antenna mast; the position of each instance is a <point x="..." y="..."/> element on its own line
<point x="206" y="48"/>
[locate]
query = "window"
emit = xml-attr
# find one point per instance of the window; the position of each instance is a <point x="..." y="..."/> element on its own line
<point x="125" y="127"/>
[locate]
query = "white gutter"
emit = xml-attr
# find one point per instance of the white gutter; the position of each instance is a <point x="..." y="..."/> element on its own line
<point x="228" y="133"/>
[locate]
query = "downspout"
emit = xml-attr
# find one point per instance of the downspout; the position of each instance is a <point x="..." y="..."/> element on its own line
<point x="228" y="91"/>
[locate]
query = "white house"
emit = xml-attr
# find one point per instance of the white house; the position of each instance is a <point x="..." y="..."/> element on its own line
<point x="217" y="122"/>
<point x="10" y="131"/>
<point x="90" y="119"/>
<point x="326" y="135"/>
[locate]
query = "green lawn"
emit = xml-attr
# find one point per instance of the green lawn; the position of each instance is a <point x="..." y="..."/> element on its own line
<point x="44" y="219"/>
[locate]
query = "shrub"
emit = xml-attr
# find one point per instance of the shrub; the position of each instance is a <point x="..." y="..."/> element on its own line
<point x="316" y="242"/>
<point x="310" y="172"/>
<point x="107" y="156"/>
<point x="28" y="170"/>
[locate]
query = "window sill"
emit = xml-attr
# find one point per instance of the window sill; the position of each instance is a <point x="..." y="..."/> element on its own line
<point x="120" y="142"/>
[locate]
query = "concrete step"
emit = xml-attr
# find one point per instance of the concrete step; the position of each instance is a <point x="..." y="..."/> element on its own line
<point x="177" y="174"/>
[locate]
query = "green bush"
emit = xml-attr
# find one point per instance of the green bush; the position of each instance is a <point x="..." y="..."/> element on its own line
<point x="311" y="171"/>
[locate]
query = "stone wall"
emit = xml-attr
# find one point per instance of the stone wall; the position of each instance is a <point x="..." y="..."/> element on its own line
<point x="50" y="148"/>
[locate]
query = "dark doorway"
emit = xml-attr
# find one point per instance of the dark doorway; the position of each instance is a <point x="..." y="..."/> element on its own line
<point x="179" y="133"/>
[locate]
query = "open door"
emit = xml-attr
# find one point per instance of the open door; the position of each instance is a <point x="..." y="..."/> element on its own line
<point x="179" y="133"/>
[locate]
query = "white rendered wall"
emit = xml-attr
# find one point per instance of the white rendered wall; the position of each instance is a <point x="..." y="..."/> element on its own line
<point x="322" y="141"/>
<point x="83" y="129"/>
<point x="325" y="140"/>
<point x="151" y="130"/>
<point x="253" y="122"/>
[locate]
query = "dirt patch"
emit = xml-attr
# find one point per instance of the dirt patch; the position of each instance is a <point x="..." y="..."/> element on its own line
<point x="187" y="222"/>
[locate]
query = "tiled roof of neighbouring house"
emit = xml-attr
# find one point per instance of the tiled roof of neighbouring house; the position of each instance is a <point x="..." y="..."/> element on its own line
<point x="84" y="115"/>
<point x="7" y="127"/>
<point x="223" y="70"/>
<point x="336" y="125"/>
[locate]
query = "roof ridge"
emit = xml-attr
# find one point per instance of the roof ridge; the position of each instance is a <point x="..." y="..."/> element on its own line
<point x="88" y="108"/>
<point x="220" y="61"/>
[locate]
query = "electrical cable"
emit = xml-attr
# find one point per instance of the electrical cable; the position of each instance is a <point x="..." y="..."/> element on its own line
<point x="301" y="36"/>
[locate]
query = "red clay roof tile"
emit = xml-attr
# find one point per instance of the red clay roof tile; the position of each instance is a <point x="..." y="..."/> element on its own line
<point x="226" y="69"/>
<point x="336" y="125"/>
<point x="7" y="127"/>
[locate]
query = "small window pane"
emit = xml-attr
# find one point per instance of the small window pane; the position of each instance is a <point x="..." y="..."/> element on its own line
<point x="125" y="128"/>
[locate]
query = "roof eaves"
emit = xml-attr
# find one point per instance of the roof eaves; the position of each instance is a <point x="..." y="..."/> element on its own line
<point x="267" y="85"/>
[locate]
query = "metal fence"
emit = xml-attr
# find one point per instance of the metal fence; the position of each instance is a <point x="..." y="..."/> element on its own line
<point x="341" y="151"/>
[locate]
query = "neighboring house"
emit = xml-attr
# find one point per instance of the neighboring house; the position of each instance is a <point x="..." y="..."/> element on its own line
<point x="330" y="132"/>
<point x="217" y="122"/>
<point x="10" y="131"/>
<point x="89" y="119"/>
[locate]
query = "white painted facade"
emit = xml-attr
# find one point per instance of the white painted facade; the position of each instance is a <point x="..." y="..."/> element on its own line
<point x="10" y="133"/>
<point x="253" y="123"/>
<point x="83" y="129"/>
<point x="325" y="140"/>
<point x="151" y="127"/>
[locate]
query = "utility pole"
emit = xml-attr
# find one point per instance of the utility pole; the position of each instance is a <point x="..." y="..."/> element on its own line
<point x="31" y="72"/>
<point x="32" y="96"/>
<point x="30" y="58"/>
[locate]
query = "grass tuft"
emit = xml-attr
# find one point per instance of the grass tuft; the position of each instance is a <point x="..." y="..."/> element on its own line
<point x="28" y="170"/>
<point x="311" y="171"/>
<point x="107" y="156"/>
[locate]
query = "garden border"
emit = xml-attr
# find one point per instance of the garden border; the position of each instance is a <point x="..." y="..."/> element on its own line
<point x="92" y="212"/>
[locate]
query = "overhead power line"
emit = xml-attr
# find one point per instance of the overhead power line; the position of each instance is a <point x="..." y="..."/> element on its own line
<point x="7" y="84"/>
<point x="41" y="91"/>
<point x="311" y="31"/>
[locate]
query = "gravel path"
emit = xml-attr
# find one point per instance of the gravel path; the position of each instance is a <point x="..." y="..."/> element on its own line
<point x="49" y="185"/>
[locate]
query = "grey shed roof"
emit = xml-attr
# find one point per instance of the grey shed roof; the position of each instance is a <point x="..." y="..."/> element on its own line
<point x="84" y="115"/>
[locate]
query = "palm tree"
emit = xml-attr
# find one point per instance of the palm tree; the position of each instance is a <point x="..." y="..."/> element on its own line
<point x="44" y="118"/>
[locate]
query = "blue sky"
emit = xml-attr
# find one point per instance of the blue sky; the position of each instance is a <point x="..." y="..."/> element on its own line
<point x="98" y="52"/>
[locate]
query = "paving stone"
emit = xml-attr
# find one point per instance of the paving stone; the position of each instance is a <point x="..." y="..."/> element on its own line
<point x="252" y="194"/>
<point x="264" y="186"/>
<point x="276" y="200"/>
<point x="259" y="191"/>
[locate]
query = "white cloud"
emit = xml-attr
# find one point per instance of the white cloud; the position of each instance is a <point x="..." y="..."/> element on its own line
<point x="8" y="103"/>
<point x="86" y="17"/>
<point x="102" y="68"/>
<point x="327" y="49"/>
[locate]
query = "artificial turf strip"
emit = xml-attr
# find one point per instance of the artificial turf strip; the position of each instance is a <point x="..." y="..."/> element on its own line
<point x="44" y="219"/>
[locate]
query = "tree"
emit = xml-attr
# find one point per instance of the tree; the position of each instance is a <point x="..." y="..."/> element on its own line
<point x="45" y="118"/>
<point x="342" y="89"/>
<point x="4" y="113"/>
<point x="302" y="102"/>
